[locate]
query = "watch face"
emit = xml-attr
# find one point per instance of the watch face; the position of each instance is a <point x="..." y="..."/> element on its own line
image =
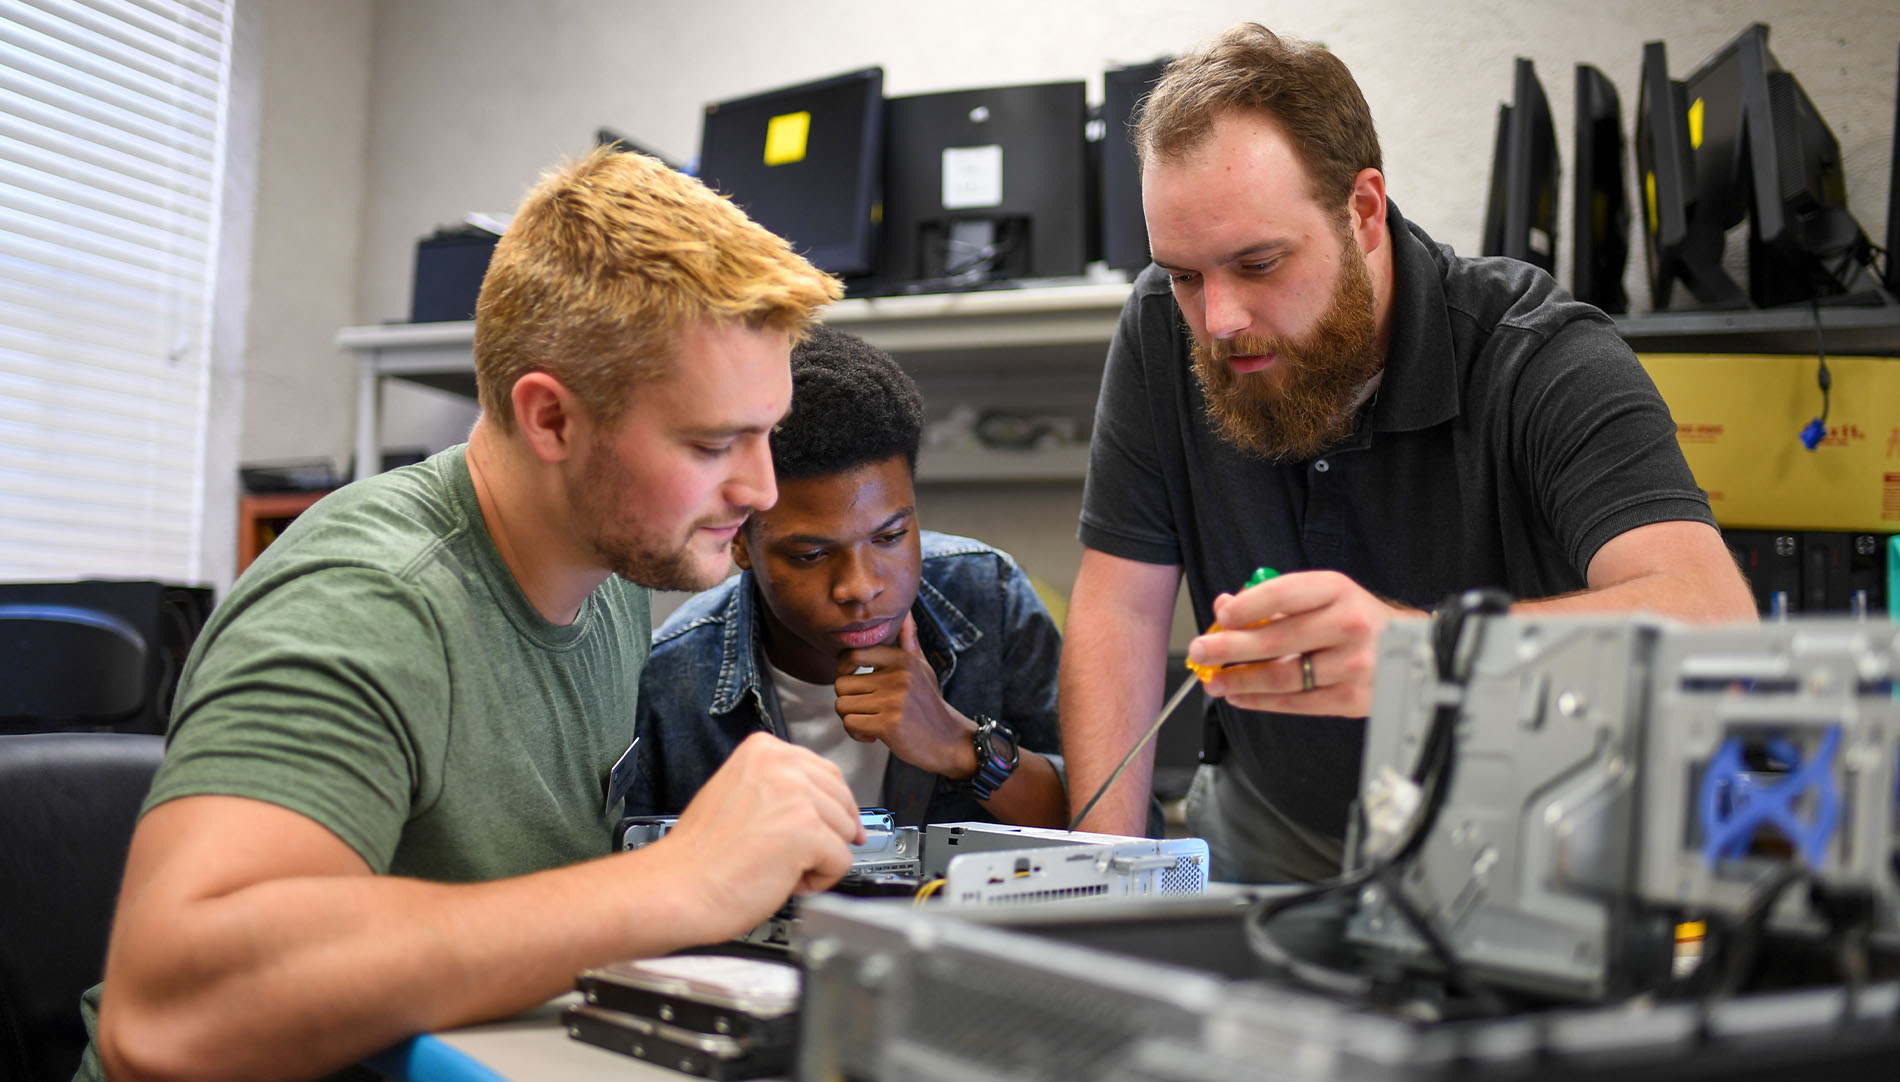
<point x="1001" y="744"/>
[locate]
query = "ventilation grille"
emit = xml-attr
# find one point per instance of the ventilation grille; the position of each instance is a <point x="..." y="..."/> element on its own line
<point x="1188" y="876"/>
<point x="1025" y="1023"/>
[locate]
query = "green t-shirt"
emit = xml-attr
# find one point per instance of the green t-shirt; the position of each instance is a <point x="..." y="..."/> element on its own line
<point x="379" y="671"/>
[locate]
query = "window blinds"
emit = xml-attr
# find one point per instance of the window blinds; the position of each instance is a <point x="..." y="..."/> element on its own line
<point x="111" y="140"/>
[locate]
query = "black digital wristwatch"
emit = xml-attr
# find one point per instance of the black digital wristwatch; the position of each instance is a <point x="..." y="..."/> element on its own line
<point x="996" y="757"/>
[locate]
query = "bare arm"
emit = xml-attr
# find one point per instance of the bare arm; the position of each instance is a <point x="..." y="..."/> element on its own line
<point x="1676" y="569"/>
<point x="1679" y="570"/>
<point x="1113" y="652"/>
<point x="252" y="943"/>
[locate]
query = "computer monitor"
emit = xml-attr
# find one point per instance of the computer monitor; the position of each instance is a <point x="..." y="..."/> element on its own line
<point x="1677" y="245"/>
<point x="1893" y="202"/>
<point x="804" y="161"/>
<point x="608" y="137"/>
<point x="1124" y="229"/>
<point x="984" y="187"/>
<point x="1521" y="214"/>
<point x="1763" y="153"/>
<point x="1600" y="214"/>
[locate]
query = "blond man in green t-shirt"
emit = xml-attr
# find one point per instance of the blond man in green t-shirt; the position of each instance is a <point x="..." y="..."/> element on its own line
<point x="387" y="799"/>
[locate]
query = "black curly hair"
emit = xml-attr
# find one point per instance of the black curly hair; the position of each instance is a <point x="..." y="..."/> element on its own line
<point x="851" y="406"/>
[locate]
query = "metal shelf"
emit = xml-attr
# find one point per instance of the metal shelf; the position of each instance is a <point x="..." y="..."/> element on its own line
<point x="1866" y="330"/>
<point x="949" y="465"/>
<point x="1067" y="328"/>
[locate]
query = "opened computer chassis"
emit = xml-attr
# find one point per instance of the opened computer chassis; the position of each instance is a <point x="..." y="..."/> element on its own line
<point x="1589" y="847"/>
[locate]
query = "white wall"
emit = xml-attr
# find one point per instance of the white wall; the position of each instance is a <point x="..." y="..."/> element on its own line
<point x="387" y="118"/>
<point x="307" y="245"/>
<point x="471" y="102"/>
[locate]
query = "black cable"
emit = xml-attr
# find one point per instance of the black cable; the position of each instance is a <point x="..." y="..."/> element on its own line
<point x="1433" y="771"/>
<point x="1456" y="975"/>
<point x="1722" y="970"/>
<point x="1821" y="376"/>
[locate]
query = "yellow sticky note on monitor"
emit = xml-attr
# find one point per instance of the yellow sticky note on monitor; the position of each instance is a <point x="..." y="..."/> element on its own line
<point x="785" y="137"/>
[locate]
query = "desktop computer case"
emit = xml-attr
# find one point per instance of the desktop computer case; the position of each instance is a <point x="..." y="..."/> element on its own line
<point x="894" y="992"/>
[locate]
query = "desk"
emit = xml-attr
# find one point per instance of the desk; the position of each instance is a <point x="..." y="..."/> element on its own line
<point x="531" y="1047"/>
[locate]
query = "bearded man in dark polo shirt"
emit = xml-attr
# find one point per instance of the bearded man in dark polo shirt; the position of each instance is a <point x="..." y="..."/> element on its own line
<point x="1306" y="381"/>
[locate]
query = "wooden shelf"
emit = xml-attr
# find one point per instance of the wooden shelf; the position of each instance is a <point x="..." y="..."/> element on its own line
<point x="262" y="516"/>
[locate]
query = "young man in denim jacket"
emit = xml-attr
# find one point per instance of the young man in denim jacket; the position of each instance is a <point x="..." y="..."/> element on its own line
<point x="922" y="664"/>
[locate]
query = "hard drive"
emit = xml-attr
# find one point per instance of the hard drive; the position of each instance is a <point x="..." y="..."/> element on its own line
<point x="749" y="1001"/>
<point x="708" y="1055"/>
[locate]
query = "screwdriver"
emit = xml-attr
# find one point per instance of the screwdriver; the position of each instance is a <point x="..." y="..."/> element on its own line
<point x="1196" y="670"/>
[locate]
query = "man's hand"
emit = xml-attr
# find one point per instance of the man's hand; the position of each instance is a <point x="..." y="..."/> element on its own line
<point x="774" y="820"/>
<point x="1317" y="618"/>
<point x="899" y="702"/>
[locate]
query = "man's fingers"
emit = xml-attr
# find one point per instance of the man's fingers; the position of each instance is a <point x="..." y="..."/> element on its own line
<point x="863" y="728"/>
<point x="1341" y="700"/>
<point x="1280" y="676"/>
<point x="1287" y="595"/>
<point x="1304" y="632"/>
<point x="907" y="635"/>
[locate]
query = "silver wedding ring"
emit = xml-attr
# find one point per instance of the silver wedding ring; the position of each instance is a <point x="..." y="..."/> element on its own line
<point x="1306" y="673"/>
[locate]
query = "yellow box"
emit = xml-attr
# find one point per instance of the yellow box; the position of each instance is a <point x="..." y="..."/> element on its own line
<point x="1739" y="419"/>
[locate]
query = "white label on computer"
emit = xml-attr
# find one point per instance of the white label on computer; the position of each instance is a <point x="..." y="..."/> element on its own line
<point x="972" y="177"/>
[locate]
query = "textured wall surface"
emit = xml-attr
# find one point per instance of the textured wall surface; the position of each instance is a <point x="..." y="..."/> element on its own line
<point x="387" y="118"/>
<point x="299" y="395"/>
<point x="469" y="103"/>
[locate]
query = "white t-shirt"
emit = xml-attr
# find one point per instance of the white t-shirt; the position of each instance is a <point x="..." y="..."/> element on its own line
<point x="811" y="718"/>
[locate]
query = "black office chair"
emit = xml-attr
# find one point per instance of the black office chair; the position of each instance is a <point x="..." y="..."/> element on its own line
<point x="68" y="802"/>
<point x="66" y="666"/>
<point x="97" y="654"/>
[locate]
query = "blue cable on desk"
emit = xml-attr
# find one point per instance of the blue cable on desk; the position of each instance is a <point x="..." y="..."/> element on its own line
<point x="426" y="1059"/>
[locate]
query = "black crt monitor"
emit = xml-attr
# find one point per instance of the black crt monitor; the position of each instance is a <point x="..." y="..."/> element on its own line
<point x="804" y="161"/>
<point x="1763" y="153"/>
<point x="1600" y="213"/>
<point x="1673" y="251"/>
<point x="985" y="187"/>
<point x="1124" y="228"/>
<point x="1521" y="213"/>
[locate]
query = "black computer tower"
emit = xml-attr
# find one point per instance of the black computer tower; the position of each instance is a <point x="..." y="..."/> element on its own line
<point x="1771" y="560"/>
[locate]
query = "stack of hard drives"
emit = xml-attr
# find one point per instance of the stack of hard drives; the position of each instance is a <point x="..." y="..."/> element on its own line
<point x="721" y="1016"/>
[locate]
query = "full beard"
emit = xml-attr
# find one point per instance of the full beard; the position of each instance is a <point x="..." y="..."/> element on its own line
<point x="623" y="548"/>
<point x="1308" y="400"/>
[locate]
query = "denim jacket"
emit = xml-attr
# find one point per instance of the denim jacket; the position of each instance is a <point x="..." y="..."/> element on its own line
<point x="979" y="623"/>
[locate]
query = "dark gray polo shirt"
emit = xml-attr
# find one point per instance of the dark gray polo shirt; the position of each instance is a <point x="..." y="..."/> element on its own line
<point x="1513" y="434"/>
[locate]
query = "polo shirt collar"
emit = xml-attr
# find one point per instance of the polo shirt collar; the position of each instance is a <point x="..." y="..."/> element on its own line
<point x="1420" y="387"/>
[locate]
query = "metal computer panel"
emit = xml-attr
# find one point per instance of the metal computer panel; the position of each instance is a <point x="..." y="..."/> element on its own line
<point x="1526" y="872"/>
<point x="945" y="841"/>
<point x="1090" y="991"/>
<point x="1134" y="869"/>
<point x="1771" y="745"/>
<point x="894" y="992"/>
<point x="992" y="863"/>
<point x="887" y="848"/>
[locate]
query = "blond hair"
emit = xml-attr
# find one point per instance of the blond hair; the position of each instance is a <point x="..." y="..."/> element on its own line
<point x="608" y="259"/>
<point x="1303" y="87"/>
